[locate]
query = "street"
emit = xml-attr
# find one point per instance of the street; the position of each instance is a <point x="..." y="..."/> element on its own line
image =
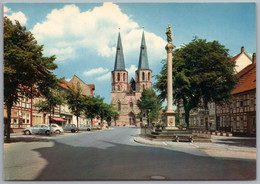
<point x="113" y="155"/>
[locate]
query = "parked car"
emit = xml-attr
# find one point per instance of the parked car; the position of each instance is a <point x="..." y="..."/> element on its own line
<point x="37" y="129"/>
<point x="85" y="128"/>
<point x="56" y="128"/>
<point x="70" y="127"/>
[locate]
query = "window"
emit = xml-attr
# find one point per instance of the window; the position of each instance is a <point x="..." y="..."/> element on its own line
<point x="118" y="76"/>
<point x="118" y="106"/>
<point x="118" y="88"/>
<point x="148" y="76"/>
<point x="124" y="77"/>
<point x="131" y="105"/>
<point x="143" y="86"/>
<point x="241" y="103"/>
<point x="15" y="121"/>
<point x="143" y="76"/>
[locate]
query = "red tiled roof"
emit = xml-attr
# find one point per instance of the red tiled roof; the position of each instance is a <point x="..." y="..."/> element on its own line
<point x="247" y="79"/>
<point x="64" y="84"/>
<point x="91" y="86"/>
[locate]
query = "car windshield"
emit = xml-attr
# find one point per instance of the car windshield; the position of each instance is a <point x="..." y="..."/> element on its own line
<point x="36" y="126"/>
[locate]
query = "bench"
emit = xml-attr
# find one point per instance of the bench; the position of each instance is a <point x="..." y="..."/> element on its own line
<point x="186" y="137"/>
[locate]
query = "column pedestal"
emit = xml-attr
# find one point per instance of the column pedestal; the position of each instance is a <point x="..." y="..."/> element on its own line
<point x="170" y="120"/>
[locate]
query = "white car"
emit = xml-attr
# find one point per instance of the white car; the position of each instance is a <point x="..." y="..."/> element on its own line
<point x="56" y="129"/>
<point x="43" y="129"/>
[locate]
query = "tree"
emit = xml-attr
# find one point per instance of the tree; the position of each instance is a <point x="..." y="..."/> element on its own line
<point x="202" y="73"/>
<point x="26" y="70"/>
<point x="75" y="101"/>
<point x="90" y="109"/>
<point x="51" y="101"/>
<point x="95" y="106"/>
<point x="149" y="104"/>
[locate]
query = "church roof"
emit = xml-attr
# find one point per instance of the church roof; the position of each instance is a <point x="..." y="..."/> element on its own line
<point x="143" y="59"/>
<point x="119" y="62"/>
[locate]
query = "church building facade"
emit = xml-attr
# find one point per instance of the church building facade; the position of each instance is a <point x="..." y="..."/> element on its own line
<point x="124" y="95"/>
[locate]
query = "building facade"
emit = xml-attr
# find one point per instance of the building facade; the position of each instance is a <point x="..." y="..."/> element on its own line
<point x="200" y="119"/>
<point x="25" y="114"/>
<point x="239" y="116"/>
<point x="124" y="94"/>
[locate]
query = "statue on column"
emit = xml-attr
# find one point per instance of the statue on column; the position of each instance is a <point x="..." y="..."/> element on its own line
<point x="169" y="33"/>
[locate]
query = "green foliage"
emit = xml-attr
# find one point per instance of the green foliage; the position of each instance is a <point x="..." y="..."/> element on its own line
<point x="202" y="73"/>
<point x="76" y="101"/>
<point x="26" y="70"/>
<point x="149" y="103"/>
<point x="94" y="106"/>
<point x="51" y="101"/>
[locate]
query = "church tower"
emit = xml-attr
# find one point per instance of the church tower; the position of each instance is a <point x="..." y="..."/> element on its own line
<point x="119" y="74"/>
<point x="124" y="95"/>
<point x="143" y="75"/>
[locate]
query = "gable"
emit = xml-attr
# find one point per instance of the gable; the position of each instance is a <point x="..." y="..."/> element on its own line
<point x="242" y="61"/>
<point x="85" y="88"/>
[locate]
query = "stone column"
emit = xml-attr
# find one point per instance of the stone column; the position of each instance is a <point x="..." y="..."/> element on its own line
<point x="169" y="114"/>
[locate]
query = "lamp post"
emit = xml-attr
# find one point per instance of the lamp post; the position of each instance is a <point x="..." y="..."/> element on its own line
<point x="148" y="117"/>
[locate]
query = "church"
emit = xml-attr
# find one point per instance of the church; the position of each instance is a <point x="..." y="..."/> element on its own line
<point x="124" y="95"/>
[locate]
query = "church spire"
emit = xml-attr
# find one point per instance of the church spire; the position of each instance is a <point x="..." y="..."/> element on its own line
<point x="143" y="59"/>
<point x="119" y="62"/>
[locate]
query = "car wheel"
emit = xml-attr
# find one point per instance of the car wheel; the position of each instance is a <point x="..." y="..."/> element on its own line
<point x="47" y="132"/>
<point x="27" y="132"/>
<point x="73" y="131"/>
<point x="88" y="129"/>
<point x="57" y="132"/>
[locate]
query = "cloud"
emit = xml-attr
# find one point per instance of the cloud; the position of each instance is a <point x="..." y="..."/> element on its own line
<point x="15" y="15"/>
<point x="68" y="79"/>
<point x="96" y="71"/>
<point x="6" y="9"/>
<point x="105" y="76"/>
<point x="131" y="71"/>
<point x="94" y="30"/>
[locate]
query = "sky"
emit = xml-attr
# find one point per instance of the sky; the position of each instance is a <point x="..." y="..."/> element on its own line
<point x="83" y="36"/>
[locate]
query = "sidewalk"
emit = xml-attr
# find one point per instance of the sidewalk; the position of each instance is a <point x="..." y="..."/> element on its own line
<point x="232" y="147"/>
<point x="19" y="136"/>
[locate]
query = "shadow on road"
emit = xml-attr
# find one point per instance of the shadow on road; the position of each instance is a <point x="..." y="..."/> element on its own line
<point x="36" y="138"/>
<point x="238" y="142"/>
<point x="129" y="162"/>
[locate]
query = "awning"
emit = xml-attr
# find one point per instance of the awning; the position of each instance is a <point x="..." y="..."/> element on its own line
<point x="57" y="119"/>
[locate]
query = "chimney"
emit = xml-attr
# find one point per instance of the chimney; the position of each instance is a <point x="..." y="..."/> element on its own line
<point x="242" y="49"/>
<point x="254" y="58"/>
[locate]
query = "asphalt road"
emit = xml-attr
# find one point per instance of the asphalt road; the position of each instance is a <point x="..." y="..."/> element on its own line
<point x="113" y="155"/>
